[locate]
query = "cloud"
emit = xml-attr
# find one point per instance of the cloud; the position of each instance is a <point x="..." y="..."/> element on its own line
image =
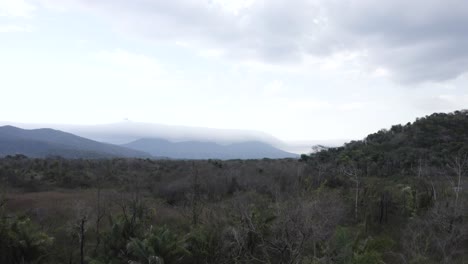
<point x="128" y="60"/>
<point x="421" y="40"/>
<point x="443" y="102"/>
<point x="15" y="8"/>
<point x="272" y="31"/>
<point x="353" y="106"/>
<point x="14" y="28"/>
<point x="141" y="72"/>
<point x="408" y="41"/>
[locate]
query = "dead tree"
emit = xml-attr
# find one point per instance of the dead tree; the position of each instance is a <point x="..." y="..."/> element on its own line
<point x="195" y="197"/>
<point x="458" y="165"/>
<point x="100" y="212"/>
<point x="80" y="227"/>
<point x="82" y="237"/>
<point x="353" y="174"/>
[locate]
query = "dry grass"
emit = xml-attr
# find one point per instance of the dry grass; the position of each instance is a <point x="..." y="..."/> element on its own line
<point x="23" y="202"/>
<point x="59" y="207"/>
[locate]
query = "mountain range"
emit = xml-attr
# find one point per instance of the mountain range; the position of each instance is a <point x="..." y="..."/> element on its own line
<point x="208" y="150"/>
<point x="49" y="142"/>
<point x="127" y="131"/>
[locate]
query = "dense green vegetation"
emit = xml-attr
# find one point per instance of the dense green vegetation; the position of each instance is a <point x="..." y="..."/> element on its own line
<point x="398" y="196"/>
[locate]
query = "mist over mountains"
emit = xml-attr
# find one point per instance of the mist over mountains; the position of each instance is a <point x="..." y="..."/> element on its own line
<point x="208" y="150"/>
<point x="46" y="142"/>
<point x="127" y="131"/>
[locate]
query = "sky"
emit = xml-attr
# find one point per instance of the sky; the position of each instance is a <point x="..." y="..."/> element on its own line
<point x="296" y="69"/>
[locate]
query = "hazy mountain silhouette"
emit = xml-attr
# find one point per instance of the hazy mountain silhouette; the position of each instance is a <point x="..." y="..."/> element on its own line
<point x="208" y="150"/>
<point x="48" y="142"/>
<point x="129" y="131"/>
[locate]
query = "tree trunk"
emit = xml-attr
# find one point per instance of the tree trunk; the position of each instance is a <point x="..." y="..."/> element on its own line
<point x="82" y="239"/>
<point x="195" y="197"/>
<point x="98" y="218"/>
<point x="356" y="200"/>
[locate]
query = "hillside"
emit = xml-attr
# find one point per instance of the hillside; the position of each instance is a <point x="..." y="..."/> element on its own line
<point x="208" y="150"/>
<point x="430" y="141"/>
<point x="48" y="142"/>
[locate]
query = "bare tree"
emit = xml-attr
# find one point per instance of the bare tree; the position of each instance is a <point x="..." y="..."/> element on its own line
<point x="435" y="235"/>
<point x="304" y="224"/>
<point x="82" y="213"/>
<point x="246" y="241"/>
<point x="100" y="211"/>
<point x="458" y="165"/>
<point x="82" y="238"/>
<point x="195" y="196"/>
<point x="286" y="231"/>
<point x="353" y="174"/>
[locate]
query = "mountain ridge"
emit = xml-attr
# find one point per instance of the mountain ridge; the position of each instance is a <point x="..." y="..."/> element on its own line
<point x="432" y="140"/>
<point x="211" y="150"/>
<point x="45" y="142"/>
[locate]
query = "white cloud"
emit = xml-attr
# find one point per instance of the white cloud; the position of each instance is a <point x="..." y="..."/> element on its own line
<point x="443" y="102"/>
<point x="130" y="60"/>
<point x="211" y="53"/>
<point x="274" y="88"/>
<point x="9" y="28"/>
<point x="234" y="6"/>
<point x="352" y="106"/>
<point x="381" y="72"/>
<point x="15" y="8"/>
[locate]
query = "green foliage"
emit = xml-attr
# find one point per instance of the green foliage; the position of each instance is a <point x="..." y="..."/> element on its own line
<point x="22" y="242"/>
<point x="158" y="246"/>
<point x="204" y="244"/>
<point x="343" y="245"/>
<point x="370" y="250"/>
<point x="122" y="230"/>
<point x="368" y="257"/>
<point x="390" y="152"/>
<point x="354" y="247"/>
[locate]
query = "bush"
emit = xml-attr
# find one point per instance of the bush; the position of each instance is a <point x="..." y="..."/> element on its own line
<point x="22" y="242"/>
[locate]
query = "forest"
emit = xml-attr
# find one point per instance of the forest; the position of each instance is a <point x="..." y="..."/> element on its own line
<point x="396" y="196"/>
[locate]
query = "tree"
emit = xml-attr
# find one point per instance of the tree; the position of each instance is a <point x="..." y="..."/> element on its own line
<point x="435" y="236"/>
<point x="158" y="246"/>
<point x="352" y="173"/>
<point x="21" y="241"/>
<point x="458" y="165"/>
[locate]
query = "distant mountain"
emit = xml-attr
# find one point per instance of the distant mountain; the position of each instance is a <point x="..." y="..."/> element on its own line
<point x="48" y="142"/>
<point x="128" y="131"/>
<point x="208" y="150"/>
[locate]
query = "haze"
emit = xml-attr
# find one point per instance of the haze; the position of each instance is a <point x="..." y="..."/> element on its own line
<point x="298" y="70"/>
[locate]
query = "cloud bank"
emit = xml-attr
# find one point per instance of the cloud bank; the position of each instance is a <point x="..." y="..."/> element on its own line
<point x="410" y="41"/>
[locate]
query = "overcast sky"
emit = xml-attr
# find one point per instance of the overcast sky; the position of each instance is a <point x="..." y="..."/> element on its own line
<point x="297" y="69"/>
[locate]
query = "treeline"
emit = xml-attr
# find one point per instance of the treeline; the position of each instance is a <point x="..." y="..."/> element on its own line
<point x="431" y="141"/>
<point x="398" y="196"/>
